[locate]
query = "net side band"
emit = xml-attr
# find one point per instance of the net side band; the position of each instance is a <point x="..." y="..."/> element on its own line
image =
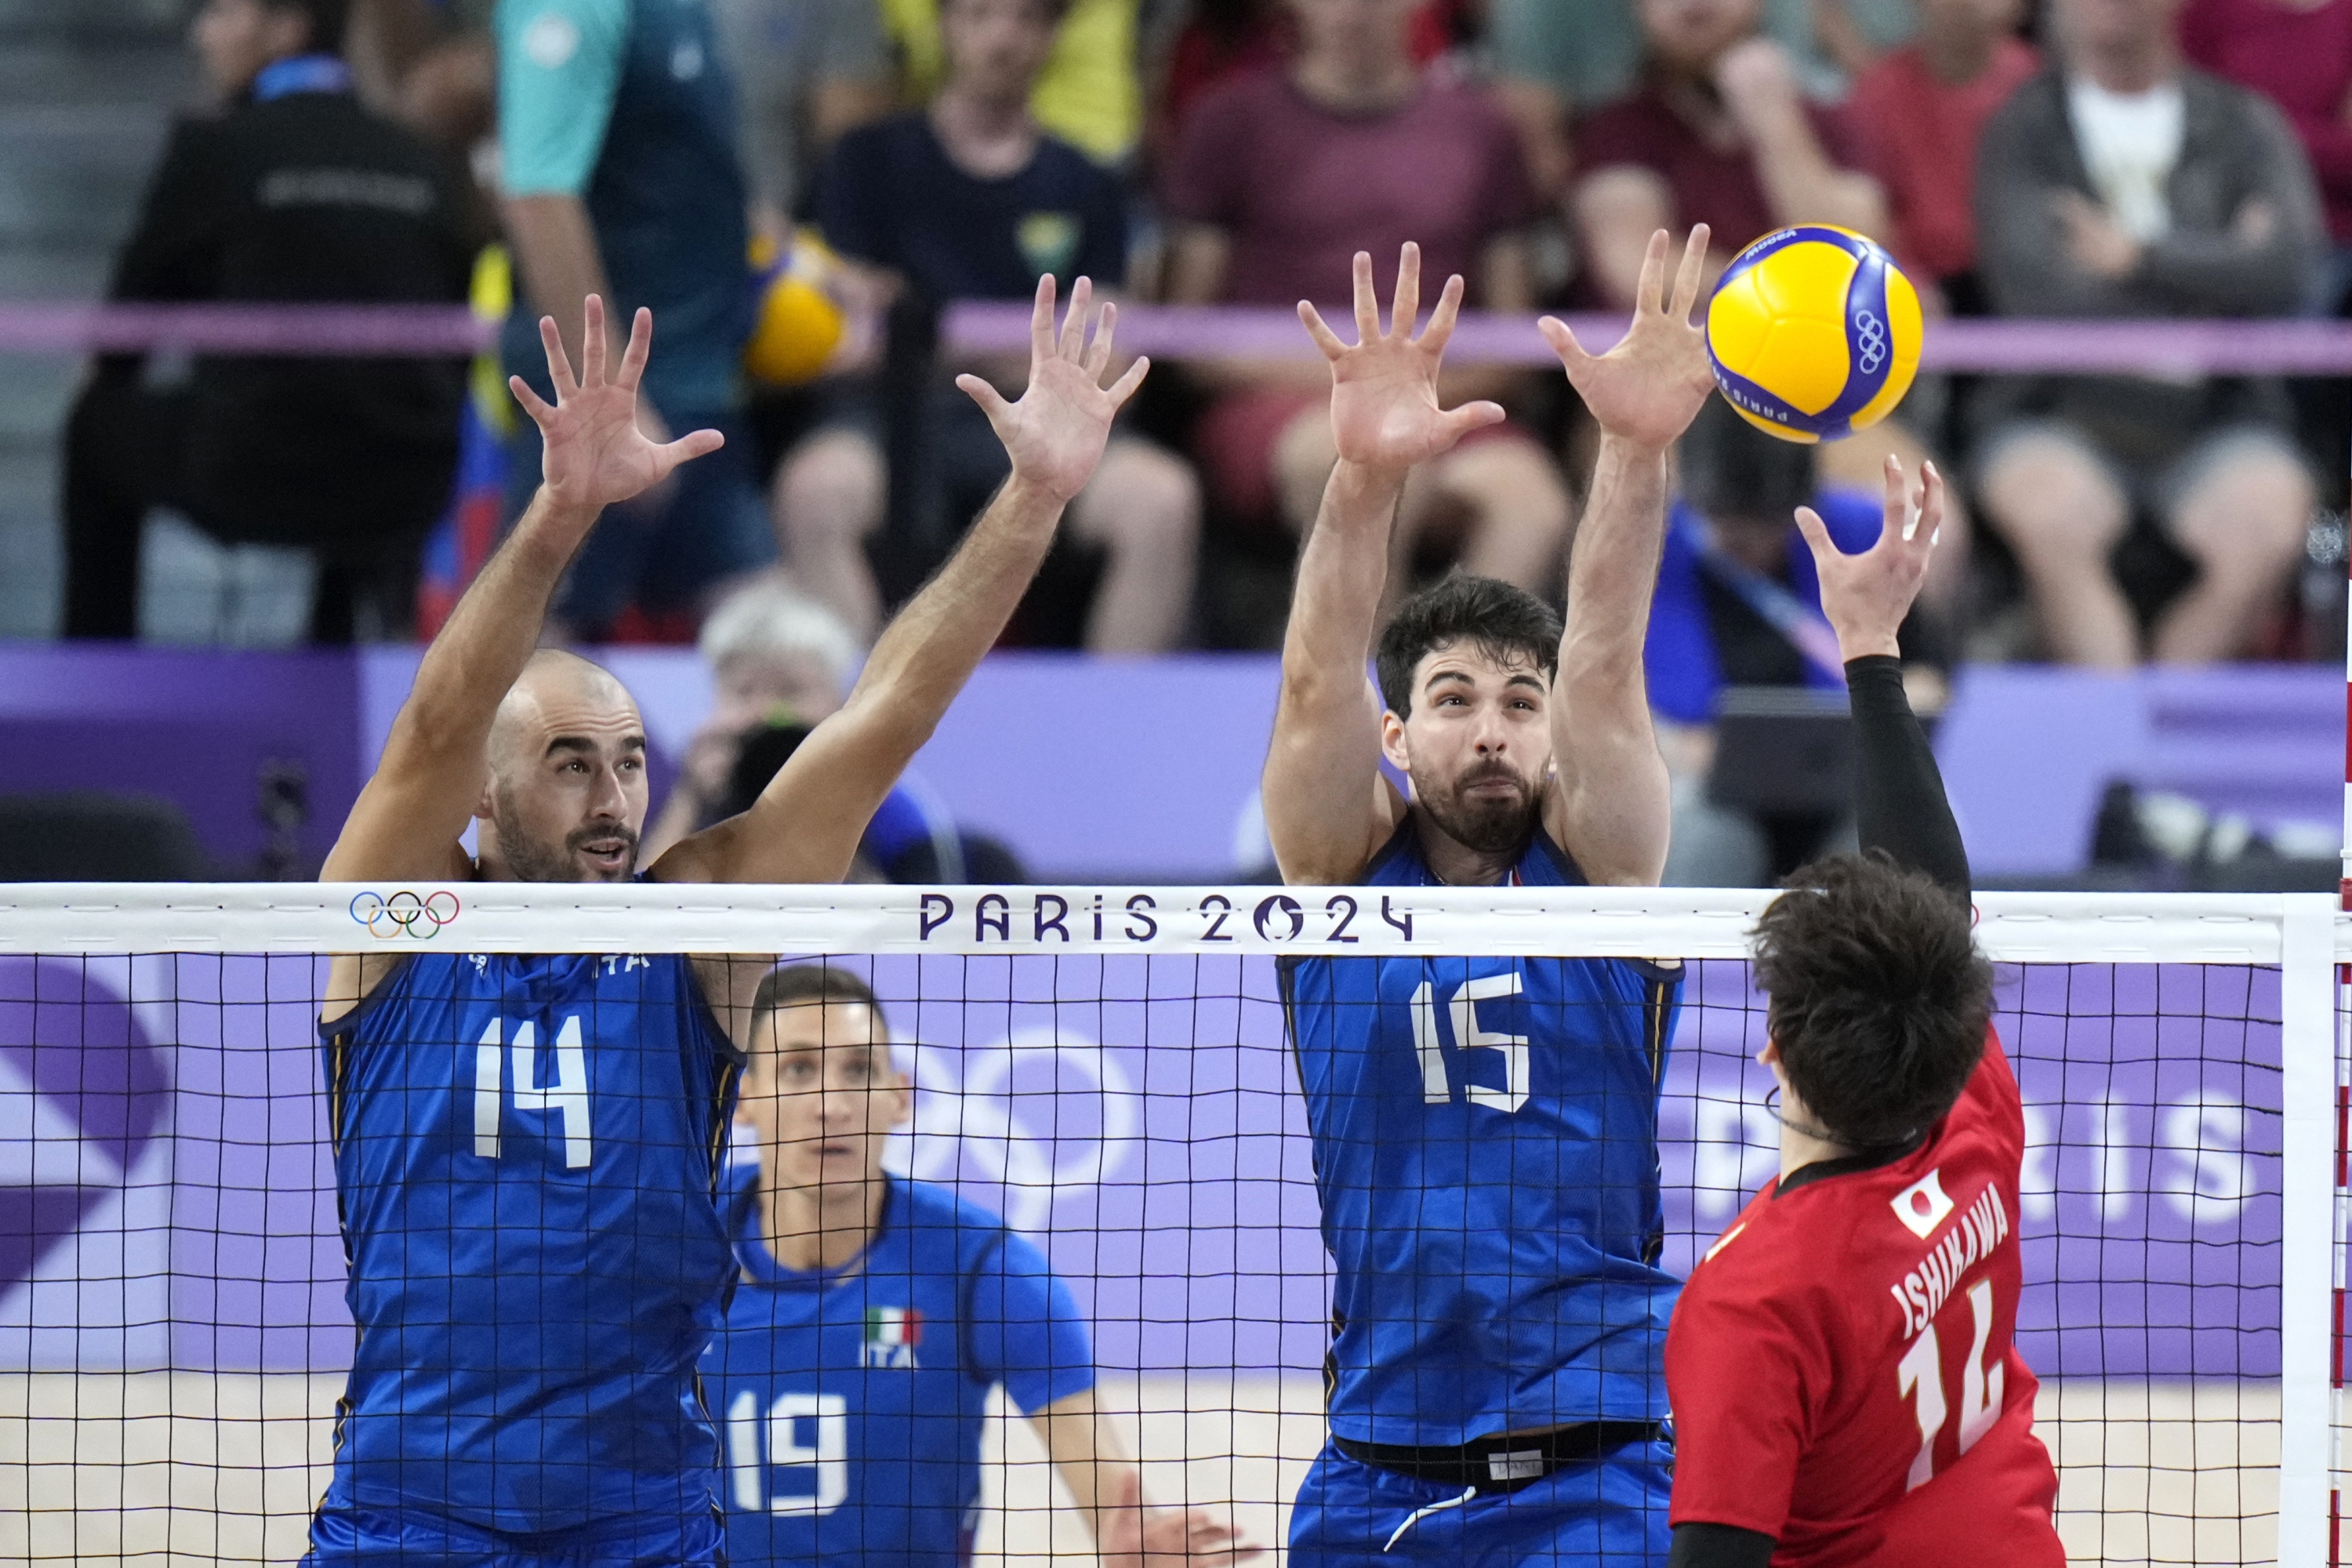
<point x="1635" y="922"/>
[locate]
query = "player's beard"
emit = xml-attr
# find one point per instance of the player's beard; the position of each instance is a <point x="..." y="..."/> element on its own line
<point x="531" y="860"/>
<point x="1490" y="826"/>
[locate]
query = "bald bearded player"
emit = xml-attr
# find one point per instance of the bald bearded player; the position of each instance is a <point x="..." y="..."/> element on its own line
<point x="527" y="1148"/>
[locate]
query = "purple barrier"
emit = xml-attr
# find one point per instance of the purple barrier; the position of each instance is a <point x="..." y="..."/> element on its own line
<point x="2174" y="347"/>
<point x="1139" y="1117"/>
<point x="196" y="727"/>
<point x="426" y="331"/>
<point x="1140" y="770"/>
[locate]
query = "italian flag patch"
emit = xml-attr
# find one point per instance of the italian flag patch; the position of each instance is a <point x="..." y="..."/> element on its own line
<point x="894" y="1326"/>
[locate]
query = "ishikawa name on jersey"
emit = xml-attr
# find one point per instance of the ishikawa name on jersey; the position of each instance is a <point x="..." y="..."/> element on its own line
<point x="852" y="1400"/>
<point x="1486" y="1147"/>
<point x="527" y="1154"/>
<point x="1842" y="1365"/>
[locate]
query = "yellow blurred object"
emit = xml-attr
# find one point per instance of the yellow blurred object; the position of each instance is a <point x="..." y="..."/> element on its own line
<point x="492" y="296"/>
<point x="1090" y="94"/>
<point x="800" y="322"/>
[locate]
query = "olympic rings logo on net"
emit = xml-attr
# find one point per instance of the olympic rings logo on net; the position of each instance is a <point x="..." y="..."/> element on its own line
<point x="404" y="913"/>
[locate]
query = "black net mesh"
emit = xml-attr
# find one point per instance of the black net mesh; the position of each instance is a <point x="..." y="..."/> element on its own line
<point x="1114" y="1150"/>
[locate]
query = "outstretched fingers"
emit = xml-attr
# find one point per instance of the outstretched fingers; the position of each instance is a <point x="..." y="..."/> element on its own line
<point x="1405" y="309"/>
<point x="641" y="348"/>
<point x="1563" y="342"/>
<point x="1442" y="320"/>
<point x="992" y="401"/>
<point x="1931" y="507"/>
<point x="1099" y="352"/>
<point x="1041" y="320"/>
<point x="1460" y="422"/>
<point x="537" y="407"/>
<point x="1692" y="275"/>
<point x="686" y="447"/>
<point x="1124" y="387"/>
<point x="1817" y="539"/>
<point x="1325" y="338"/>
<point x="1074" y="323"/>
<point x="1368" y="305"/>
<point x="559" y="364"/>
<point x="1650" y="294"/>
<point x="591" y="343"/>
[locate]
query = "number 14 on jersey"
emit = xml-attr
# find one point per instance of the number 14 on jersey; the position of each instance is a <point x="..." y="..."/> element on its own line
<point x="566" y="1101"/>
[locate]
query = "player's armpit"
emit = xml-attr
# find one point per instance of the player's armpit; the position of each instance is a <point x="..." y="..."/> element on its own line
<point x="1719" y="1546"/>
<point x="731" y="982"/>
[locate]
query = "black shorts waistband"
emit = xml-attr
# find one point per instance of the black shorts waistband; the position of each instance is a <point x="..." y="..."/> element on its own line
<point x="1502" y="1464"/>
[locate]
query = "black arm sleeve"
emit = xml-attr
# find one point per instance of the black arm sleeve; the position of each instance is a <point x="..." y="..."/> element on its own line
<point x="1719" y="1546"/>
<point x="1898" y="793"/>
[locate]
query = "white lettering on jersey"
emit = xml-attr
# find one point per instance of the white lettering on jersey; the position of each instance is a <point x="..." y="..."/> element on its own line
<point x="1922" y="1293"/>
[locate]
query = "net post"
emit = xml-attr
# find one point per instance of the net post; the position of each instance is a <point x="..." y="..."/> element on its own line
<point x="2307" y="1226"/>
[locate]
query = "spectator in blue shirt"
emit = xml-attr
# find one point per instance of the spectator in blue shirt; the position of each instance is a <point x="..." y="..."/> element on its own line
<point x="969" y="199"/>
<point x="875" y="1316"/>
<point x="1738" y="604"/>
<point x="616" y="140"/>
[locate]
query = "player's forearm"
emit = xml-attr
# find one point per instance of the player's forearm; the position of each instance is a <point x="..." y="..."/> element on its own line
<point x="1324" y="752"/>
<point x="1617" y="788"/>
<point x="1342" y="573"/>
<point x="1899" y="792"/>
<point x="556" y="251"/>
<point x="1612" y="572"/>
<point x="489" y="637"/>
<point x="1801" y="186"/>
<point x="932" y="647"/>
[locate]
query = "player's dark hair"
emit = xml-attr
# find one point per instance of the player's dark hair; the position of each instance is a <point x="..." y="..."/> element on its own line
<point x="807" y="984"/>
<point x="1502" y="620"/>
<point x="1876" y="996"/>
<point x="328" y="20"/>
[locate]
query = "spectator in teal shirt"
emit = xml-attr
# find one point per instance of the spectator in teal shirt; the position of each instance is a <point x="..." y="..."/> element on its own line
<point x="616" y="140"/>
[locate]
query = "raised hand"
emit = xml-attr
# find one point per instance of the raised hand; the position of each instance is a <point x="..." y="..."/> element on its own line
<point x="594" y="453"/>
<point x="1650" y="386"/>
<point x="1056" y="433"/>
<point x="1865" y="596"/>
<point x="1134" y="1536"/>
<point x="1384" y="412"/>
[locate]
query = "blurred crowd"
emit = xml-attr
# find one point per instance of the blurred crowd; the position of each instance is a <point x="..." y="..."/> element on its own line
<point x="800" y="189"/>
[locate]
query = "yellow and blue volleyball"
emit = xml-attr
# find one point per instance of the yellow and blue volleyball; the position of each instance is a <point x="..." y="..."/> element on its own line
<point x="799" y="322"/>
<point x="1813" y="332"/>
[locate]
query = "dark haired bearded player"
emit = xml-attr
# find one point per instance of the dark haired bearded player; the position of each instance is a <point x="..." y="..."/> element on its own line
<point x="1846" y="1388"/>
<point x="1486" y="1143"/>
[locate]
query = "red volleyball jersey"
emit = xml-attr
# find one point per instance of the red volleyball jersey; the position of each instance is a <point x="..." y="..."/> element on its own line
<point x="1842" y="1365"/>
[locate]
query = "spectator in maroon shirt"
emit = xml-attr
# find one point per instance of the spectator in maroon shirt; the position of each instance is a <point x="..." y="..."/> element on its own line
<point x="1919" y="114"/>
<point x="1279" y="180"/>
<point x="2298" y="54"/>
<point x="1717" y="134"/>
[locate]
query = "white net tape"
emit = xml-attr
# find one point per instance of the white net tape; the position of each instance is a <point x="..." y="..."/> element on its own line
<point x="1106" y="1068"/>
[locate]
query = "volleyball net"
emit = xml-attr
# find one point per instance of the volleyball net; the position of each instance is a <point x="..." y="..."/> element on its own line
<point x="1106" y="1069"/>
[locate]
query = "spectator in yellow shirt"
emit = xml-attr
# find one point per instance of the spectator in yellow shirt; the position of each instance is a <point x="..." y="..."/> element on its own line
<point x="1090" y="94"/>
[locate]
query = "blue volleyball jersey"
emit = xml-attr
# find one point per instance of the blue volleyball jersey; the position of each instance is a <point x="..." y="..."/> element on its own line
<point x="527" y="1154"/>
<point x="1485" y="1148"/>
<point x="852" y="1401"/>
